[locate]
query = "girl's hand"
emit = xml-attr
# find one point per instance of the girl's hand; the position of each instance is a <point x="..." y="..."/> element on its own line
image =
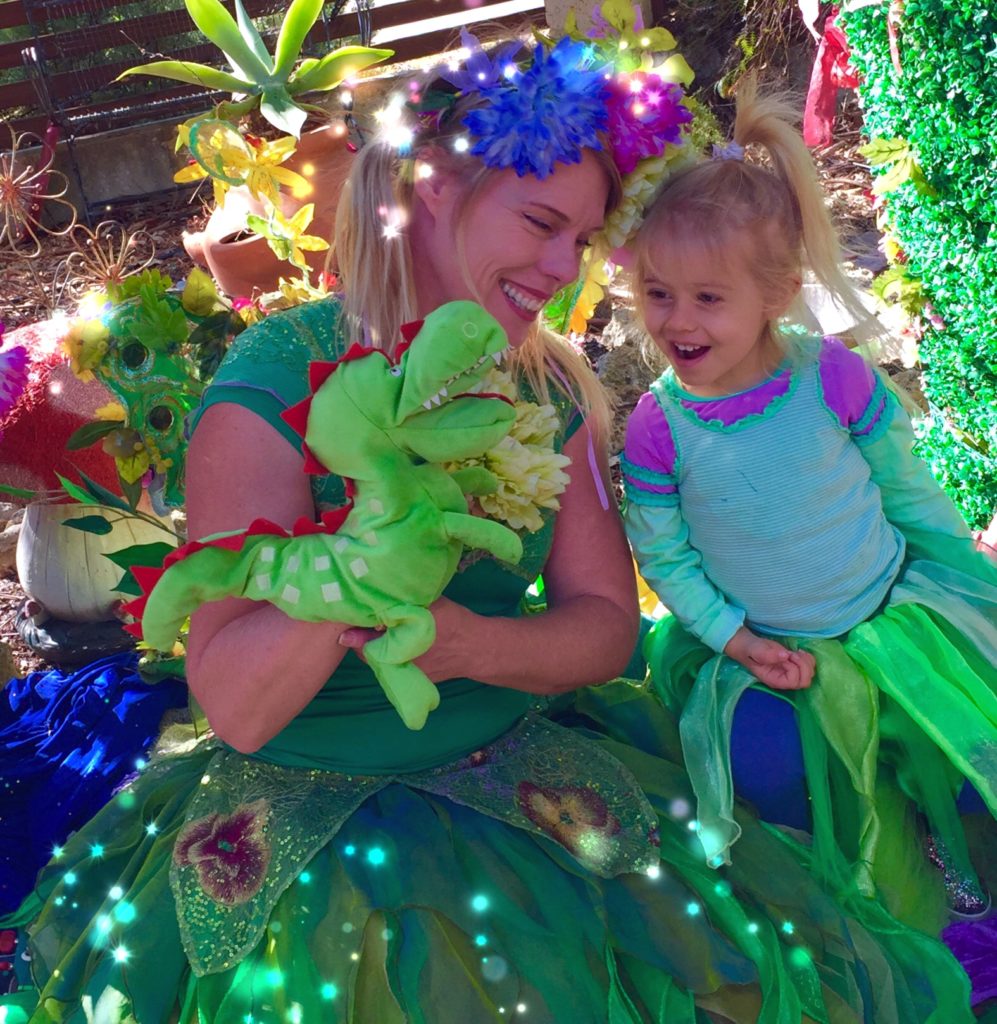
<point x="448" y="658"/>
<point x="771" y="663"/>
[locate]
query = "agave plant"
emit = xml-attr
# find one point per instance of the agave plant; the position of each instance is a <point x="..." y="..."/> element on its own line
<point x="259" y="80"/>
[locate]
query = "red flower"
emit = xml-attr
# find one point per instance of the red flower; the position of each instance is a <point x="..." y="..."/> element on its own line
<point x="229" y="852"/>
<point x="571" y="815"/>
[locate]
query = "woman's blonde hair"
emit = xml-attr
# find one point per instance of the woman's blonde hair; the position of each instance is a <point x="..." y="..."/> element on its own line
<point x="376" y="273"/>
<point x="778" y="208"/>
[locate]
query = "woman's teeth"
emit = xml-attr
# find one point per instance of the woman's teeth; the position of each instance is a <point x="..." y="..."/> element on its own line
<point x="524" y="302"/>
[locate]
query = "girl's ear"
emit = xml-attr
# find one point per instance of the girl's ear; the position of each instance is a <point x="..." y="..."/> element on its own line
<point x="788" y="295"/>
<point x="435" y="180"/>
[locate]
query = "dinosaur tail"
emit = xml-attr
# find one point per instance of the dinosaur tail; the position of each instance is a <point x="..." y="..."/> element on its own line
<point x="194" y="574"/>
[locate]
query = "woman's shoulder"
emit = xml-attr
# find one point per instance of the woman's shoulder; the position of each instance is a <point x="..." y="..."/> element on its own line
<point x="291" y="337"/>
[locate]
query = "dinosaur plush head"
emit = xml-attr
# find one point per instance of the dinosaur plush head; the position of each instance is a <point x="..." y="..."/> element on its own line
<point x="419" y="403"/>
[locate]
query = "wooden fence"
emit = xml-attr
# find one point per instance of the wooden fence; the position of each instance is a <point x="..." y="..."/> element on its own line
<point x="59" y="58"/>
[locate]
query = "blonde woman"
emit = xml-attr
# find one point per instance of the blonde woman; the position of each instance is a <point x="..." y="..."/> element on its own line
<point x="527" y="854"/>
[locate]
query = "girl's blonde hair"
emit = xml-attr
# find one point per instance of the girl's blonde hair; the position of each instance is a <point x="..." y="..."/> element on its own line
<point x="778" y="209"/>
<point x="376" y="273"/>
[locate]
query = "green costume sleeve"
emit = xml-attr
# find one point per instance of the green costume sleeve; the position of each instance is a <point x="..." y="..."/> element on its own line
<point x="266" y="369"/>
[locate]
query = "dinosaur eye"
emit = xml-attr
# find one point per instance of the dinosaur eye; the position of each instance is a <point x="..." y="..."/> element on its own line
<point x="395" y="371"/>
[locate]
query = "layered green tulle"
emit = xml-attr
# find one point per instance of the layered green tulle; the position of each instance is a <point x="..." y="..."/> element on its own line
<point x="424" y="910"/>
<point x="902" y="710"/>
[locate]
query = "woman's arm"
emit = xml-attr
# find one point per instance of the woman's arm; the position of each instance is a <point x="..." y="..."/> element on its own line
<point x="589" y="631"/>
<point x="250" y="666"/>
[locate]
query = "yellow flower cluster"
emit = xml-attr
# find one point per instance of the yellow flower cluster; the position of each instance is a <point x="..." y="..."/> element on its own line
<point x="85" y="346"/>
<point x="529" y="472"/>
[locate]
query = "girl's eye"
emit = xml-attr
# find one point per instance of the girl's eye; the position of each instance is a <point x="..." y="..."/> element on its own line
<point x="657" y="294"/>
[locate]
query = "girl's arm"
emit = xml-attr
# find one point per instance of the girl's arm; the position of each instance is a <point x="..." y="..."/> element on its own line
<point x="251" y="667"/>
<point x="912" y="500"/>
<point x="588" y="633"/>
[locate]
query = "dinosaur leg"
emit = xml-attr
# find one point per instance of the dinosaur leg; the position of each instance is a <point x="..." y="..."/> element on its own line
<point x="475" y="480"/>
<point x="410" y="631"/>
<point x="476" y="532"/>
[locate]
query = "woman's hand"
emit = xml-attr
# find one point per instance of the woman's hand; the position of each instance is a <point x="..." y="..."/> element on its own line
<point x="771" y="663"/>
<point x="450" y="655"/>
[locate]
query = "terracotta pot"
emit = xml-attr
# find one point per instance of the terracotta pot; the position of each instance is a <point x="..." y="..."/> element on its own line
<point x="65" y="570"/>
<point x="244" y="266"/>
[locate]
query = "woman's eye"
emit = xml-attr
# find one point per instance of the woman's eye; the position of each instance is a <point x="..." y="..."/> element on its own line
<point x="708" y="298"/>
<point x="540" y="225"/>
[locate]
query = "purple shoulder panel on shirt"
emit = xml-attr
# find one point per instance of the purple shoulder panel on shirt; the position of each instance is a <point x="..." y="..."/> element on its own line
<point x="649" y="443"/>
<point x="733" y="408"/>
<point x="847" y="381"/>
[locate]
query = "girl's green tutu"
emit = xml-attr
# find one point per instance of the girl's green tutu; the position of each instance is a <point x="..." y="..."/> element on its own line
<point x="902" y="710"/>
<point x="443" y="907"/>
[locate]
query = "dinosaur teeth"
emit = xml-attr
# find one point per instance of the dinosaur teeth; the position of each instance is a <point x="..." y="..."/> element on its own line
<point x="428" y="404"/>
<point x="497" y="358"/>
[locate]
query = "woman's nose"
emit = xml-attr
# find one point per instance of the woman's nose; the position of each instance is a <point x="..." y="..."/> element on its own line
<point x="561" y="260"/>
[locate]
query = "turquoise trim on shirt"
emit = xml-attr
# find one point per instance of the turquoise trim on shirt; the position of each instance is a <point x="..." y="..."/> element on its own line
<point x="648" y="476"/>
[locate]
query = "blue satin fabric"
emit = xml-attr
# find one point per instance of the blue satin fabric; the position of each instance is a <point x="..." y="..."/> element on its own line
<point x="67" y="740"/>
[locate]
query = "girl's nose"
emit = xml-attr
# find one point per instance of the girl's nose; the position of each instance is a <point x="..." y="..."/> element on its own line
<point x="680" y="316"/>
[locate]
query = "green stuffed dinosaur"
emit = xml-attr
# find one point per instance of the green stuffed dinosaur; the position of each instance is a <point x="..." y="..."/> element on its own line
<point x="383" y="424"/>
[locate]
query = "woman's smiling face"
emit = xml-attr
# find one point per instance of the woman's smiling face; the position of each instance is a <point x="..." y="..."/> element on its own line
<point x="517" y="242"/>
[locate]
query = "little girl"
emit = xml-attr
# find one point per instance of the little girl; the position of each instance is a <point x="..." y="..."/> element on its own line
<point x="775" y="507"/>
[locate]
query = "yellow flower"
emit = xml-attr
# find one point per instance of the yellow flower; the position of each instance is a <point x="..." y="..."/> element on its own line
<point x="85" y="346"/>
<point x="594" y="288"/>
<point x="113" y="412"/>
<point x="230" y="159"/>
<point x="285" y="234"/>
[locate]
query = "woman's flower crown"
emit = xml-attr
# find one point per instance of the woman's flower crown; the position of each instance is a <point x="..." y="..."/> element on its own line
<point x="578" y="93"/>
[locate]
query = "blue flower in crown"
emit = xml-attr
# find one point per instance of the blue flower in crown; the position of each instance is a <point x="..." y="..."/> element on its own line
<point x="479" y="70"/>
<point x="548" y="113"/>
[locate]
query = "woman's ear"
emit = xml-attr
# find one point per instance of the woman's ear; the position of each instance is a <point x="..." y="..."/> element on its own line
<point x="435" y="180"/>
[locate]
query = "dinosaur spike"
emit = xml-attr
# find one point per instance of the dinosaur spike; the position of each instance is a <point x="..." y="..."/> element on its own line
<point x="312" y="464"/>
<point x="320" y="371"/>
<point x="136" y="607"/>
<point x="135" y="628"/>
<point x="410" y="330"/>
<point x="147" y="576"/>
<point x="296" y="416"/>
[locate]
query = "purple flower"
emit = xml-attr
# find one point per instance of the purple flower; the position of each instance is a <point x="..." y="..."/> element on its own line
<point x="548" y="113"/>
<point x="479" y="72"/>
<point x="645" y="113"/>
<point x="229" y="852"/>
<point x="13" y="376"/>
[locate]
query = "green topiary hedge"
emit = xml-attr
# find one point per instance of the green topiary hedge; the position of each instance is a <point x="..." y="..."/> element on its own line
<point x="945" y="104"/>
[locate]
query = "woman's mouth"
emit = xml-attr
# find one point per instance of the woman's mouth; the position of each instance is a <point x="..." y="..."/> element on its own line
<point x="527" y="306"/>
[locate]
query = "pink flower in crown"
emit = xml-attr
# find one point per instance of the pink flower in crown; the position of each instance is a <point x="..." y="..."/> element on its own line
<point x="229" y="852"/>
<point x="645" y="113"/>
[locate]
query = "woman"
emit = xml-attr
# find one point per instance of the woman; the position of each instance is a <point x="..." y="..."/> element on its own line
<point x="316" y="860"/>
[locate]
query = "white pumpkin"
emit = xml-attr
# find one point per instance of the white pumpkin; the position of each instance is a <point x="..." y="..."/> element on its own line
<point x="64" y="569"/>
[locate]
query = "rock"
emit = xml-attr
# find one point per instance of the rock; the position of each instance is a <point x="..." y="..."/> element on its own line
<point x="8" y="548"/>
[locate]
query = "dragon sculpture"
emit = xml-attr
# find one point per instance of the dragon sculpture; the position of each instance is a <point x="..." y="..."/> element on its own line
<point x="384" y="424"/>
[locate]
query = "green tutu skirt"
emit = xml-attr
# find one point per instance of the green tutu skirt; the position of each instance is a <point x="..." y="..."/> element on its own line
<point x="209" y="891"/>
<point x="902" y="711"/>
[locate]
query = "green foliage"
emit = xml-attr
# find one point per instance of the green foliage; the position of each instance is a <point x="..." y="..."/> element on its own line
<point x="269" y="83"/>
<point x="895" y="286"/>
<point x="945" y="106"/>
<point x="901" y="166"/>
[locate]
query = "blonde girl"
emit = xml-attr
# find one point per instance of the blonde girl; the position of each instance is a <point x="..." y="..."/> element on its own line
<point x="775" y="507"/>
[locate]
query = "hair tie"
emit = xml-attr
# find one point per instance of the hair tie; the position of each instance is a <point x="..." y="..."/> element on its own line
<point x="731" y="151"/>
